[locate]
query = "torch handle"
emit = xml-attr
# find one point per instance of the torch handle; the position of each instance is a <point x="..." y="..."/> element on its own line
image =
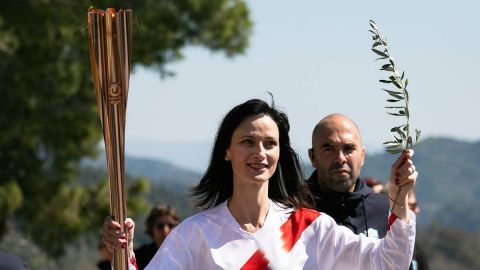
<point x="110" y="49"/>
<point x="114" y="149"/>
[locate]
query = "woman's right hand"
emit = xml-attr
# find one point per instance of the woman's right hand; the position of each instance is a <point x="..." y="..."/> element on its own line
<point x="113" y="236"/>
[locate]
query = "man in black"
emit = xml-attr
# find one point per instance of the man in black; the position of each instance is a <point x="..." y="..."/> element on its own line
<point x="337" y="154"/>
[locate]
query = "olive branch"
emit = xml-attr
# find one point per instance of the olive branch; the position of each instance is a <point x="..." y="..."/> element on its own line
<point x="401" y="134"/>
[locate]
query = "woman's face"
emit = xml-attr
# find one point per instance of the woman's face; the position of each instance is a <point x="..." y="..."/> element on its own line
<point x="254" y="150"/>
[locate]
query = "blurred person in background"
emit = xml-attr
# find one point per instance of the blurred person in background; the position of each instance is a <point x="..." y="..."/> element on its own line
<point x="419" y="260"/>
<point x="375" y="185"/>
<point x="161" y="220"/>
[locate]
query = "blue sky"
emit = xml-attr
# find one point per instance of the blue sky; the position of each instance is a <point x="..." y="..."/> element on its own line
<point x="315" y="57"/>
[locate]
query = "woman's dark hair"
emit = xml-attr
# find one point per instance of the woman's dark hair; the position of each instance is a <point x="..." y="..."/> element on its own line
<point x="158" y="211"/>
<point x="286" y="185"/>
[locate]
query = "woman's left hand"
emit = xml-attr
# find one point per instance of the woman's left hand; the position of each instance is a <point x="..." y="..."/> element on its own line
<point x="403" y="177"/>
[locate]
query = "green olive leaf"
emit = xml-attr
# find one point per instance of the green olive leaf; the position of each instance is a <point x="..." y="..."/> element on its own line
<point x="393" y="146"/>
<point x="397" y="84"/>
<point x="382" y="54"/>
<point x="388" y="69"/>
<point x="394" y="151"/>
<point x="394" y="94"/>
<point x="417" y="135"/>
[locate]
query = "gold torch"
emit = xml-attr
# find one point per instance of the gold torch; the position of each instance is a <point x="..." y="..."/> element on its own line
<point x="109" y="40"/>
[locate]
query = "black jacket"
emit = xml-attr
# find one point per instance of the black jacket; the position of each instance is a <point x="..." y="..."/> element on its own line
<point x="419" y="261"/>
<point x="357" y="210"/>
<point x="144" y="254"/>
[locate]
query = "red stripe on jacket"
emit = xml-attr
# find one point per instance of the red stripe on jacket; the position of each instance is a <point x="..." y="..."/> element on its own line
<point x="291" y="230"/>
<point x="391" y="220"/>
<point x="256" y="262"/>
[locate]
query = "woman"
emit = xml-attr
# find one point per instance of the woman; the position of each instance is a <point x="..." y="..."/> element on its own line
<point x="254" y="196"/>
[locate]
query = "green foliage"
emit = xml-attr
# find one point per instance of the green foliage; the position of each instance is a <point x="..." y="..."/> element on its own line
<point x="401" y="134"/>
<point x="74" y="210"/>
<point x="49" y="116"/>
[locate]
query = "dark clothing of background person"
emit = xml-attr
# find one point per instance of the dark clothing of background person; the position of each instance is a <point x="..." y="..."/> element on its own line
<point x="144" y="254"/>
<point x="419" y="260"/>
<point x="104" y="265"/>
<point x="9" y="261"/>
<point x="362" y="210"/>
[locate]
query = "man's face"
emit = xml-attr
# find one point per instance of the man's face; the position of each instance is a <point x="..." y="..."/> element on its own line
<point x="337" y="155"/>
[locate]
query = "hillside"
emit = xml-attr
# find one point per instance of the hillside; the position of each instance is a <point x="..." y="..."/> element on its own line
<point x="448" y="186"/>
<point x="157" y="171"/>
<point x="164" y="188"/>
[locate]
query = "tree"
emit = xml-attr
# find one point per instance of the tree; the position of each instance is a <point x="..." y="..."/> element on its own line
<point x="49" y="119"/>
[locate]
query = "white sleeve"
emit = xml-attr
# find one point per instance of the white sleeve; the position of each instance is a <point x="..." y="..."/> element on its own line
<point x="174" y="253"/>
<point x="340" y="248"/>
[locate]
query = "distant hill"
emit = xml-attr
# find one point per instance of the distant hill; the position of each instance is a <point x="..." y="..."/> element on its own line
<point x="448" y="188"/>
<point x="157" y="171"/>
<point x="192" y="156"/>
<point x="168" y="183"/>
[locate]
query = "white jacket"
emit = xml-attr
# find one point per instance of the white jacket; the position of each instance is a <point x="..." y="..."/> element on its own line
<point x="304" y="239"/>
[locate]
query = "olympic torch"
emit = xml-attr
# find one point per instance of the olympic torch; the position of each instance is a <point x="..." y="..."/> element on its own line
<point x="109" y="40"/>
